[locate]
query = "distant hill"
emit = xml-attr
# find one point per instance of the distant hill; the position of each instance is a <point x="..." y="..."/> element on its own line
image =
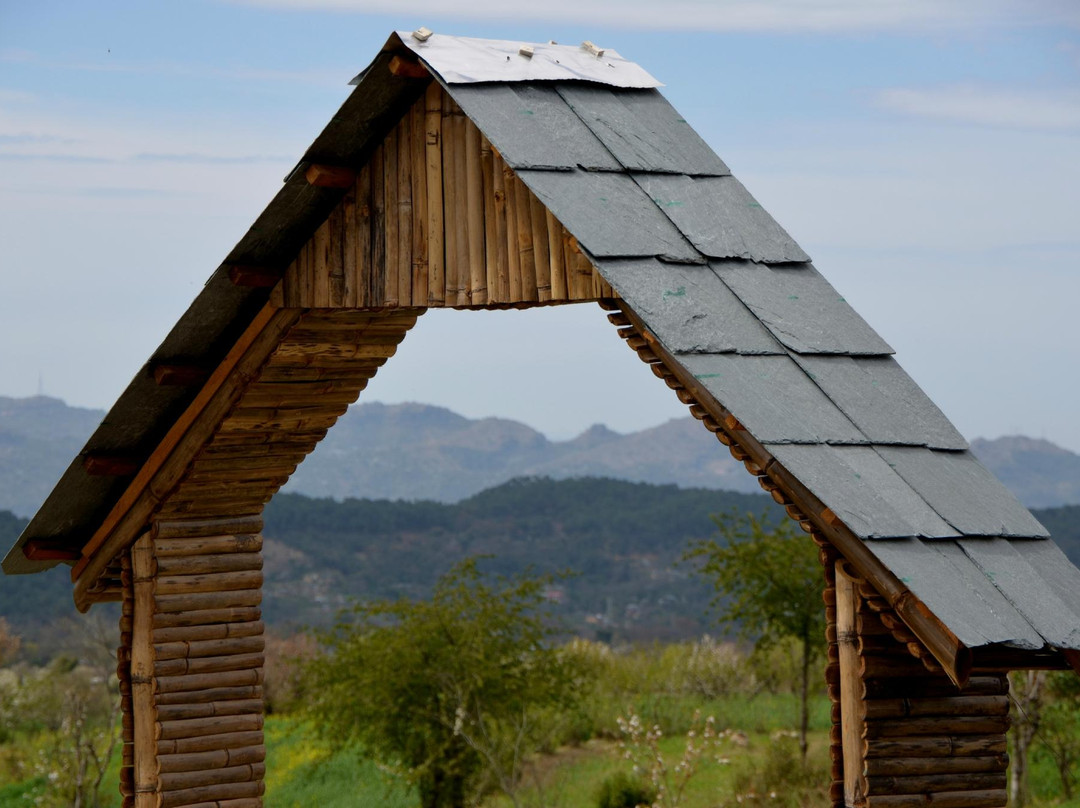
<point x="417" y="451"/>
<point x="1041" y="474"/>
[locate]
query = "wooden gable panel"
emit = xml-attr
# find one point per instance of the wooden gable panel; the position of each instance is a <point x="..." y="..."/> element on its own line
<point x="436" y="218"/>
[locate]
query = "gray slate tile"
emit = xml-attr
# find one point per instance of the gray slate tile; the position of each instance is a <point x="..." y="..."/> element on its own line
<point x="882" y="400"/>
<point x="773" y="398"/>
<point x="963" y="492"/>
<point x="801" y="308"/>
<point x="532" y="127"/>
<point x="860" y="488"/>
<point x="609" y="214"/>
<point x="642" y="130"/>
<point x="720" y="218"/>
<point x="956" y="591"/>
<point x="687" y="307"/>
<point x="1006" y="564"/>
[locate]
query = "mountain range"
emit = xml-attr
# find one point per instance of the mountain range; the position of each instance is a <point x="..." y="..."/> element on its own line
<point x="418" y="452"/>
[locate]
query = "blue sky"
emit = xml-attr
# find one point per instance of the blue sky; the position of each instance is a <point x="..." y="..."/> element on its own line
<point x="927" y="155"/>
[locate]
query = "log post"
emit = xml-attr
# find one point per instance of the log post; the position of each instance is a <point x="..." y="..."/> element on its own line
<point x="192" y="598"/>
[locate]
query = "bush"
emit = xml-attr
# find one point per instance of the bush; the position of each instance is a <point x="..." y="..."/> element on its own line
<point x="621" y="790"/>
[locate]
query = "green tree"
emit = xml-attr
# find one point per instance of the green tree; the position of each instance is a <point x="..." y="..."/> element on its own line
<point x="440" y="690"/>
<point x="768" y="583"/>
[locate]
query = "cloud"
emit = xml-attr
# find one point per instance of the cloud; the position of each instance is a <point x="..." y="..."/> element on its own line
<point x="213" y="159"/>
<point x="732" y="15"/>
<point x="1056" y="111"/>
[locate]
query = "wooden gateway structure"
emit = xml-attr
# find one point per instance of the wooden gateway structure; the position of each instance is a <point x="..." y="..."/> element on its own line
<point x="481" y="174"/>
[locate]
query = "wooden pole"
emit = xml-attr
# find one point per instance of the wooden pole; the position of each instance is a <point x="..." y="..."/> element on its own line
<point x="852" y="715"/>
<point x="474" y="181"/>
<point x="433" y="162"/>
<point x="142" y="674"/>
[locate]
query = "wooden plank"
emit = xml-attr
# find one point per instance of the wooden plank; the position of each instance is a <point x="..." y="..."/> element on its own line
<point x="500" y="292"/>
<point x="334" y="254"/>
<point x="559" y="290"/>
<point x="214" y="759"/>
<point x="392" y="217"/>
<point x="320" y="272"/>
<point x="513" y="254"/>
<point x="209" y="582"/>
<point x="377" y="277"/>
<point x="251" y="628"/>
<point x="199" y="682"/>
<point x="418" y="167"/>
<point x="462" y="272"/>
<point x="541" y="254"/>
<point x="487" y="179"/>
<point x="206" y="743"/>
<point x="451" y="208"/>
<point x="433" y="162"/>
<point x="254" y="277"/>
<point x="876" y="767"/>
<point x="362" y="282"/>
<point x="852" y="715"/>
<point x="526" y="257"/>
<point x="474" y="181"/>
<point x="322" y="175"/>
<point x="166" y="544"/>
<point x="349" y="237"/>
<point x="142" y="673"/>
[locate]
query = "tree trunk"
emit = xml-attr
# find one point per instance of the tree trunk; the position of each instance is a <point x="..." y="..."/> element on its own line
<point x="804" y="707"/>
<point x="1028" y="686"/>
<point x="441" y="789"/>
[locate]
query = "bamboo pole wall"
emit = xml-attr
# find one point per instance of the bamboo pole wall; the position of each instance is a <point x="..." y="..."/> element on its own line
<point x="437" y="219"/>
<point x="191" y="666"/>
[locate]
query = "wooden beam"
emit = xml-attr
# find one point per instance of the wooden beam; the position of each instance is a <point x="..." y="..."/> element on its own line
<point x="51" y="550"/>
<point x="1073" y="658"/>
<point x="178" y="375"/>
<point x="325" y="176"/>
<point x="254" y="277"/>
<point x="110" y="465"/>
<point x="852" y="706"/>
<point x="142" y="673"/>
<point x="405" y="68"/>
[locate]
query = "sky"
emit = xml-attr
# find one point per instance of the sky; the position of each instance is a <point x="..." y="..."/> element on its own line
<point x="925" y="154"/>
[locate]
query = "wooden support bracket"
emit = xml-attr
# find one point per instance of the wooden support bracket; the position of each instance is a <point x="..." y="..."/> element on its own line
<point x="254" y="277"/>
<point x="180" y="375"/>
<point x="325" y="176"/>
<point x="405" y="68"/>
<point x="98" y="464"/>
<point x="51" y="550"/>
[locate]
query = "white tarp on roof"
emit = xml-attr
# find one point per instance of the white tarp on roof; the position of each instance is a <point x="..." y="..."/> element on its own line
<point x="461" y="60"/>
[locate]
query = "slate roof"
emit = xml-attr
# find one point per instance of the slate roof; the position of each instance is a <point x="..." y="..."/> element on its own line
<point x="723" y="288"/>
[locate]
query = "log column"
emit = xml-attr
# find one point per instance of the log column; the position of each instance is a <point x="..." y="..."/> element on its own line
<point x="192" y="681"/>
<point x="910" y="738"/>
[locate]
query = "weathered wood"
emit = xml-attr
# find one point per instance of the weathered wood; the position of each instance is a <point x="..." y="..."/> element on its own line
<point x="419" y="228"/>
<point x="513" y="254"/>
<point x="239" y="693"/>
<point x="240" y="529"/>
<point x="541" y="253"/>
<point x="51" y="550"/>
<point x="364" y="248"/>
<point x="201" y="617"/>
<point x="379" y="243"/>
<point x="142" y="669"/>
<point x="936" y="783"/>
<point x="207" y="648"/>
<point x="460" y="218"/>
<point x="215" y="759"/>
<point x="924" y="687"/>
<point x="559" y="290"/>
<point x="936" y="765"/>
<point x="937" y="746"/>
<point x="232" y="774"/>
<point x="209" y="582"/>
<point x="996" y="798"/>
<point x="852" y="707"/>
<point x="487" y="181"/>
<point x="876" y="667"/>
<point x="500" y="292"/>
<point x="231" y="707"/>
<point x="197" y="665"/>
<point x="203" y="564"/>
<point x="474" y="185"/>
<point x="218" y="793"/>
<point x="406" y="68"/>
<point x="202" y="727"/>
<point x="212" y="632"/>
<point x="435" y="213"/>
<point x="957" y="705"/>
<point x="319" y="247"/>
<point x="526" y="254"/>
<point x="321" y="175"/>
<point x="207" y="743"/>
<point x="204" y="601"/>
<point x="390" y="188"/>
<point x="938" y="725"/>
<point x="99" y="464"/>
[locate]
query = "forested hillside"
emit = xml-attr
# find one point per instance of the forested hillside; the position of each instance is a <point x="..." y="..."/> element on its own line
<point x="623" y="539"/>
